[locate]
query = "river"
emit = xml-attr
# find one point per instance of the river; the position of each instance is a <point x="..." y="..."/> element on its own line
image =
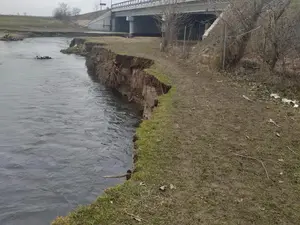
<point x="60" y="133"/>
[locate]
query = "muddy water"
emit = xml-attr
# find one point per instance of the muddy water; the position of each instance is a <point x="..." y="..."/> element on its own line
<point x="60" y="132"/>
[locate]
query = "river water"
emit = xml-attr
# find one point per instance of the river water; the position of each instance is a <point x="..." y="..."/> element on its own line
<point x="60" y="133"/>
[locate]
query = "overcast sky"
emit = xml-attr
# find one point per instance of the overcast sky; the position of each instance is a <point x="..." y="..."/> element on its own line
<point x="45" y="7"/>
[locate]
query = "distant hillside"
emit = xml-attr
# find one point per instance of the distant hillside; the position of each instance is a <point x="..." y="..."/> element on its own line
<point x="12" y="22"/>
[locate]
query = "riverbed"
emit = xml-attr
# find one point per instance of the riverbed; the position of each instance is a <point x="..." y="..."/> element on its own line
<point x="60" y="133"/>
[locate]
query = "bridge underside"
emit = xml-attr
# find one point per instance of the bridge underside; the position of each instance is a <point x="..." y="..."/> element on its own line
<point x="195" y="24"/>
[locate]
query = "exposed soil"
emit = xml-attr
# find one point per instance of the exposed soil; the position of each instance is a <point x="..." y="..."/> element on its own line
<point x="128" y="75"/>
<point x="209" y="154"/>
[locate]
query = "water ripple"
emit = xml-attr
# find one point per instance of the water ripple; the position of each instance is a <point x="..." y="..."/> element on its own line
<point x="60" y="132"/>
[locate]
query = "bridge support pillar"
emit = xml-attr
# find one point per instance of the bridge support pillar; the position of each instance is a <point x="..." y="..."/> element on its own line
<point x="113" y="25"/>
<point x="132" y="25"/>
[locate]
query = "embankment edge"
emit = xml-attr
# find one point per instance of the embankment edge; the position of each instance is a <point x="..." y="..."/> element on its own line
<point x="139" y="80"/>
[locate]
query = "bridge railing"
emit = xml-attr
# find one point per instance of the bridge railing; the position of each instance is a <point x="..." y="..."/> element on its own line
<point x="132" y="3"/>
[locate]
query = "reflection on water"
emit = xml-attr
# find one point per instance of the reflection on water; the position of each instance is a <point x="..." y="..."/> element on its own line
<point x="60" y="132"/>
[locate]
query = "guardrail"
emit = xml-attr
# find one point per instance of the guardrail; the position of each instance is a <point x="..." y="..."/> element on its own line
<point x="148" y="3"/>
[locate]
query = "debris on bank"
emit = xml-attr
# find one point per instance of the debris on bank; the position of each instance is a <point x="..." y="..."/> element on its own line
<point x="10" y="37"/>
<point x="294" y="103"/>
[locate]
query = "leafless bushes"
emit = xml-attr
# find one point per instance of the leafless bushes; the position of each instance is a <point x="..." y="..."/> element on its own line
<point x="170" y="22"/>
<point x="65" y="13"/>
<point x="279" y="36"/>
<point x="269" y="25"/>
<point x="240" y="21"/>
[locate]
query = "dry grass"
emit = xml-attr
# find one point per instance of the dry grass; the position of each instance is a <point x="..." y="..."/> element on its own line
<point x="33" y="23"/>
<point x="202" y="139"/>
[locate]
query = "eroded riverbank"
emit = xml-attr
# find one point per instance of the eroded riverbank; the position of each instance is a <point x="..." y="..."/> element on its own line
<point x="214" y="147"/>
<point x="140" y="81"/>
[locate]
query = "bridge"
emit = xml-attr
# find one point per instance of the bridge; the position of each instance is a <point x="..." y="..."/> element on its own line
<point x="139" y="17"/>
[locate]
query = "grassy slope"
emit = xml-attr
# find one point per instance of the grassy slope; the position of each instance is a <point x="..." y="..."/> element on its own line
<point x="207" y="140"/>
<point x="32" y="23"/>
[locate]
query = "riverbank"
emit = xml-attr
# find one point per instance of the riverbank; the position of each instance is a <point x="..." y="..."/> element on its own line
<point x="208" y="155"/>
<point x="32" y="26"/>
<point x="22" y="34"/>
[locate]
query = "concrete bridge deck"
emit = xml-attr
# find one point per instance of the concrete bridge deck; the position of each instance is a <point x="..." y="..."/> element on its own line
<point x="138" y="16"/>
<point x="138" y="4"/>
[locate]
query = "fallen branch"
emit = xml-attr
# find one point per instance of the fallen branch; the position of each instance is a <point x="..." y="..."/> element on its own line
<point x="127" y="175"/>
<point x="258" y="160"/>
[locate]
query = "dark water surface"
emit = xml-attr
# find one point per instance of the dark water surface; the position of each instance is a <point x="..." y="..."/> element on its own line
<point x="60" y="132"/>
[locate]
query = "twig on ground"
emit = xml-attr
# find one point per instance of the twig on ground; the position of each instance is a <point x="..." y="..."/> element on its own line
<point x="292" y="150"/>
<point x="135" y="217"/>
<point x="258" y="160"/>
<point x="273" y="122"/>
<point x="245" y="97"/>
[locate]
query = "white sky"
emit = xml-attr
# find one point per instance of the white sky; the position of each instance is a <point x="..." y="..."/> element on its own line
<point x="45" y="7"/>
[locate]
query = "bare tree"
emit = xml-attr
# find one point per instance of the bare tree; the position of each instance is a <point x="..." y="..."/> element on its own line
<point x="76" y="11"/>
<point x="267" y="30"/>
<point x="170" y="22"/>
<point x="96" y="6"/>
<point x="241" y="21"/>
<point x="280" y="35"/>
<point x="62" y="12"/>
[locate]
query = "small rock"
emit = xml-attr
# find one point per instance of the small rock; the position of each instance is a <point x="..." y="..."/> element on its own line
<point x="142" y="184"/>
<point x="163" y="188"/>
<point x="240" y="200"/>
<point x="277" y="134"/>
<point x="281" y="173"/>
<point x="280" y="160"/>
<point x="134" y="138"/>
<point x="280" y="182"/>
<point x="172" y="187"/>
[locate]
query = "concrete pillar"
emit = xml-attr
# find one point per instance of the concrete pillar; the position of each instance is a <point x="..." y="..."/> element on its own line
<point x="132" y="26"/>
<point x="113" y="25"/>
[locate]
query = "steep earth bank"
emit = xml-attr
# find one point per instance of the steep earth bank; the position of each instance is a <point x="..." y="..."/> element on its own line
<point x="139" y="80"/>
<point x="133" y="77"/>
